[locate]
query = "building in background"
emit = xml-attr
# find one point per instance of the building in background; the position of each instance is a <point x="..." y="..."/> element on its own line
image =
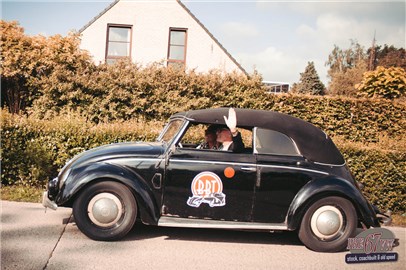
<point x="277" y="87"/>
<point x="164" y="32"/>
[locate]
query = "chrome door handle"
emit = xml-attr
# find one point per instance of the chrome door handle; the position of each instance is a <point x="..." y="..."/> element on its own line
<point x="249" y="169"/>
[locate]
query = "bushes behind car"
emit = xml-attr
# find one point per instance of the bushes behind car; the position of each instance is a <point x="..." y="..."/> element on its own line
<point x="125" y="91"/>
<point x="34" y="150"/>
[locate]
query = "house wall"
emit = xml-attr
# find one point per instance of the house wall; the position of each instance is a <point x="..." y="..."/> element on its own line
<point x="151" y="23"/>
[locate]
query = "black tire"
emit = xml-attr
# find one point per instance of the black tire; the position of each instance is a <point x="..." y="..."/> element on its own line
<point x="105" y="211"/>
<point x="327" y="224"/>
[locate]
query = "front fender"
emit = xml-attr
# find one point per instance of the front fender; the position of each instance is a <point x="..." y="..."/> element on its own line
<point x="329" y="186"/>
<point x="80" y="177"/>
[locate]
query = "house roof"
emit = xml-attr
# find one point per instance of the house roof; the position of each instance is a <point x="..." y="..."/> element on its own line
<point x="190" y="13"/>
<point x="98" y="16"/>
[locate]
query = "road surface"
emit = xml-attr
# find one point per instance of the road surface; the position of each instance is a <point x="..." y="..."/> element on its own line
<point x="33" y="239"/>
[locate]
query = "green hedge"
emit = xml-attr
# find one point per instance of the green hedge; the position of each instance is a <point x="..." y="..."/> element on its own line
<point x="382" y="173"/>
<point x="34" y="150"/>
<point x="125" y="91"/>
<point x="362" y="120"/>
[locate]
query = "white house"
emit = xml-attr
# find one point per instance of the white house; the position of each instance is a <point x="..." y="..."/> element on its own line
<point x="155" y="31"/>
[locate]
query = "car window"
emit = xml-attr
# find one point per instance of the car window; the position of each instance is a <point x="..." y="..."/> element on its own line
<point x="194" y="137"/>
<point x="273" y="142"/>
<point x="170" y="131"/>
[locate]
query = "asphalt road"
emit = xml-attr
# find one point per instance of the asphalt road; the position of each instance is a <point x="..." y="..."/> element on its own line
<point x="33" y="239"/>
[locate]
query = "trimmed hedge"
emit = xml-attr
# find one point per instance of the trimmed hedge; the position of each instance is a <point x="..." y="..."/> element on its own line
<point x="382" y="173"/>
<point x="358" y="120"/>
<point x="34" y="150"/>
<point x="125" y="91"/>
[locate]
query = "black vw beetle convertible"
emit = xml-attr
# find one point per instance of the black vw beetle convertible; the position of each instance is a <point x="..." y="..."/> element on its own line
<point x="289" y="176"/>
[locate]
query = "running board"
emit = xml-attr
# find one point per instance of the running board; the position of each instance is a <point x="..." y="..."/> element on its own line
<point x="219" y="224"/>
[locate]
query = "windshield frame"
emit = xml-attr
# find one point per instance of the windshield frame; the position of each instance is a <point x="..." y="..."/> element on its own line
<point x="170" y="128"/>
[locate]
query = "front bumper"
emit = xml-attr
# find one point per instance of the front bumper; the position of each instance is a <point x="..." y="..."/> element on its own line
<point x="47" y="203"/>
<point x="48" y="196"/>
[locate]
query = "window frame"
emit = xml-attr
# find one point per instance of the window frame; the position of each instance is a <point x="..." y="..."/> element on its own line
<point x="254" y="145"/>
<point x="115" y="58"/>
<point x="175" y="61"/>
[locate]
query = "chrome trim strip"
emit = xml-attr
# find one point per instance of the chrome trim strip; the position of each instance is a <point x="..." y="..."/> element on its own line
<point x="127" y="157"/>
<point x="246" y="164"/>
<point x="332" y="165"/>
<point x="212" y="162"/>
<point x="165" y="221"/>
<point x="293" y="168"/>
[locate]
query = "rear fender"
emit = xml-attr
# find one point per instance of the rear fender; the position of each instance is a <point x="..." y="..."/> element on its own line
<point x="329" y="186"/>
<point x="81" y="177"/>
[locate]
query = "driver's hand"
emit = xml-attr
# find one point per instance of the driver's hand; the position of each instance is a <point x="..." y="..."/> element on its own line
<point x="231" y="121"/>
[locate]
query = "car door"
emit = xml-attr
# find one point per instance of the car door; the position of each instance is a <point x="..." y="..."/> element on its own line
<point x="282" y="172"/>
<point x="209" y="184"/>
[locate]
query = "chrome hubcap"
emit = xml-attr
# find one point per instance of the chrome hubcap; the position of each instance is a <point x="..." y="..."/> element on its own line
<point x="105" y="209"/>
<point x="327" y="222"/>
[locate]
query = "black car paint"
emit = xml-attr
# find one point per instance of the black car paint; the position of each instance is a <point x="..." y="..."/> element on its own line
<point x="276" y="190"/>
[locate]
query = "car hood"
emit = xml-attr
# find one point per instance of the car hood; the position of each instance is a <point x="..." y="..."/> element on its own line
<point x="116" y="150"/>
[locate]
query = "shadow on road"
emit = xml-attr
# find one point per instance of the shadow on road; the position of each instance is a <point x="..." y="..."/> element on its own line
<point x="142" y="232"/>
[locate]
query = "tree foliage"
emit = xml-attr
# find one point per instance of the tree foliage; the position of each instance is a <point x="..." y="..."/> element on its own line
<point x="309" y="82"/>
<point x="17" y="65"/>
<point x="389" y="56"/>
<point x="343" y="83"/>
<point x="341" y="60"/>
<point x="384" y="82"/>
<point x="36" y="66"/>
<point x="347" y="67"/>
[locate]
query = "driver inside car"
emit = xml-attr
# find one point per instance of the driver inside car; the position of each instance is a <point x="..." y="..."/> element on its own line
<point x="230" y="138"/>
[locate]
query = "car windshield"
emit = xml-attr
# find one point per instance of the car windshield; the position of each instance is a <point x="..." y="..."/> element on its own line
<point x="171" y="129"/>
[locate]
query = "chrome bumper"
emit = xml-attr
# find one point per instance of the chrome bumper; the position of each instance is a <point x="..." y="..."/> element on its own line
<point x="47" y="203"/>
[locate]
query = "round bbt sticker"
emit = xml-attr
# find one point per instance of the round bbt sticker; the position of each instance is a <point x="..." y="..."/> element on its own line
<point x="207" y="188"/>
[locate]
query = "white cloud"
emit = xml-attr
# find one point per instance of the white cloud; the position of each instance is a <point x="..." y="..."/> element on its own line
<point x="273" y="64"/>
<point x="293" y="33"/>
<point x="238" y="30"/>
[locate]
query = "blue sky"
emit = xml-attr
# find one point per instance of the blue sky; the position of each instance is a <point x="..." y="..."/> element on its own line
<point x="277" y="38"/>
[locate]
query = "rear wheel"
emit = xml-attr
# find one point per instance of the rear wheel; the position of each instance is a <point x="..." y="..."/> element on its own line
<point x="105" y="211"/>
<point x="327" y="224"/>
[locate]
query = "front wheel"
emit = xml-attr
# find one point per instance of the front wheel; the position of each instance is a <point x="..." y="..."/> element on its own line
<point x="327" y="224"/>
<point x="105" y="211"/>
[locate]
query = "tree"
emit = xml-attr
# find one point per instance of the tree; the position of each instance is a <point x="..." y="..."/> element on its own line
<point x="309" y="82"/>
<point x="17" y="66"/>
<point x="343" y="83"/>
<point x="40" y="71"/>
<point x="340" y="60"/>
<point x="389" y="56"/>
<point x="63" y="73"/>
<point x="383" y="82"/>
<point x="346" y="69"/>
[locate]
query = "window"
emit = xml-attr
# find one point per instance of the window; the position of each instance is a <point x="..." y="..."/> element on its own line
<point x="177" y="47"/>
<point x="273" y="142"/>
<point x="118" y="42"/>
<point x="170" y="131"/>
<point x="195" y="137"/>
